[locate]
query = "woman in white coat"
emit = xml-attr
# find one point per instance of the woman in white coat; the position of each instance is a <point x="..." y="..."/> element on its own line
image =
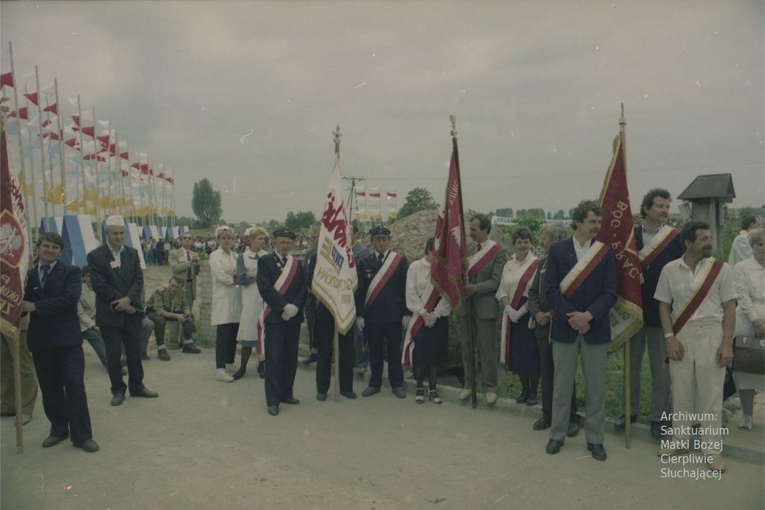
<point x="226" y="302"/>
<point x="252" y="302"/>
<point x="749" y="278"/>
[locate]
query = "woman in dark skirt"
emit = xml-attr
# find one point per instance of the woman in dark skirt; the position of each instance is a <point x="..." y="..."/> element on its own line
<point x="518" y="344"/>
<point x="425" y="344"/>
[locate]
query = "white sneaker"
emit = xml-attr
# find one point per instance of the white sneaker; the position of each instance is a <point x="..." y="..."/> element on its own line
<point x="464" y="393"/>
<point x="491" y="398"/>
<point x="745" y="422"/>
<point x="222" y="376"/>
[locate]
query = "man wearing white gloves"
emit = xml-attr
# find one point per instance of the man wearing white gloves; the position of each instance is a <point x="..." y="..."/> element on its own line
<point x="381" y="309"/>
<point x="282" y="283"/>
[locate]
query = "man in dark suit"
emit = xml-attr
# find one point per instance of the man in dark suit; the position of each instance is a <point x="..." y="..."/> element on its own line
<point x="50" y="297"/>
<point x="485" y="267"/>
<point x="117" y="280"/>
<point x="380" y="309"/>
<point x="581" y="284"/>
<point x="657" y="244"/>
<point x="282" y="283"/>
<point x="539" y="308"/>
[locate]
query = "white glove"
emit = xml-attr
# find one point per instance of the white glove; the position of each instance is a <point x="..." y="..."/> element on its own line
<point x="423" y="312"/>
<point x="430" y="320"/>
<point x="291" y="310"/>
<point x="405" y="320"/>
<point x="285" y="316"/>
<point x="513" y="314"/>
<point x="360" y="322"/>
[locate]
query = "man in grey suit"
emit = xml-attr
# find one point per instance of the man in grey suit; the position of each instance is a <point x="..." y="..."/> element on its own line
<point x="185" y="263"/>
<point x="485" y="272"/>
<point x="117" y="280"/>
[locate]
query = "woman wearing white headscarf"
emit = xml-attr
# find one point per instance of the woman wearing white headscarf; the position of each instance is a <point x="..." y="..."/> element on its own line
<point x="226" y="302"/>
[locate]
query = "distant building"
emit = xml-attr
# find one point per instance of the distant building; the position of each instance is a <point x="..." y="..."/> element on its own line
<point x="709" y="196"/>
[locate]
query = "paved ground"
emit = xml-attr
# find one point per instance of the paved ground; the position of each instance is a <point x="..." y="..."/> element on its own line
<point x="208" y="445"/>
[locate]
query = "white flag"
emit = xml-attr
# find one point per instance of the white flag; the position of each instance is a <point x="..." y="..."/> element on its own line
<point x="334" y="278"/>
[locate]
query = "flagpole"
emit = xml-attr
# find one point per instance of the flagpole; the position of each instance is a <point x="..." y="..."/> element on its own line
<point x="336" y="339"/>
<point x="471" y="333"/>
<point x="42" y="152"/>
<point x="627" y="375"/>
<point x="60" y="147"/>
<point x="33" y="178"/>
<point x="82" y="163"/>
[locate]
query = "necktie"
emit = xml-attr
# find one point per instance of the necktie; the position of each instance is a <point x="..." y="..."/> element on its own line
<point x="380" y="258"/>
<point x="189" y="276"/>
<point x="45" y="272"/>
<point x="284" y="260"/>
<point x="477" y="247"/>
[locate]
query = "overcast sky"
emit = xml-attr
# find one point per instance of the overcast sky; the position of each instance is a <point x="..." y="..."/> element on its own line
<point x="247" y="94"/>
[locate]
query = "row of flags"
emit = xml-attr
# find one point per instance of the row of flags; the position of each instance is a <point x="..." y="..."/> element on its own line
<point x="75" y="163"/>
<point x="375" y="206"/>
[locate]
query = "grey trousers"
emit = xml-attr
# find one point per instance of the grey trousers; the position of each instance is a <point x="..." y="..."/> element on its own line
<point x="594" y="359"/>
<point x="485" y="335"/>
<point x="653" y="336"/>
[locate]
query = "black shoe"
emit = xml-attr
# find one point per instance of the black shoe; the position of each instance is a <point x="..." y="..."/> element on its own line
<point x="262" y="369"/>
<point x="369" y="391"/>
<point x="541" y="424"/>
<point x="573" y="427"/>
<point x="553" y="446"/>
<point x="145" y="393"/>
<point x="348" y="394"/>
<point x="144" y="356"/>
<point x="433" y="397"/>
<point x="118" y="399"/>
<point x="191" y="349"/>
<point x="54" y="440"/>
<point x="419" y="395"/>
<point x="88" y="445"/>
<point x="321" y="397"/>
<point x="656" y="430"/>
<point x="598" y="452"/>
<point x="238" y="374"/>
<point x="522" y="398"/>
<point x="163" y="355"/>
<point x="399" y="392"/>
<point x="291" y="401"/>
<point x="620" y="423"/>
<point x="532" y="400"/>
<point x="273" y="410"/>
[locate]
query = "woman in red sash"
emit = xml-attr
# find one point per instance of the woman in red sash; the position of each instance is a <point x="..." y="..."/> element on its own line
<point x="519" y="348"/>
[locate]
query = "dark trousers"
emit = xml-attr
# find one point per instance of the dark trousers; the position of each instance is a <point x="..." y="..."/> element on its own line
<point x="159" y="328"/>
<point x="281" y="361"/>
<point x="324" y="335"/>
<point x="225" y="343"/>
<point x="547" y="373"/>
<point x="129" y="335"/>
<point x="389" y="334"/>
<point x="60" y="373"/>
<point x="97" y="343"/>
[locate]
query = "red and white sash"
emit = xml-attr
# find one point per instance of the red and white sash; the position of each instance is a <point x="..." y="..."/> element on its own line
<point x="414" y="327"/>
<point x="656" y="246"/>
<point x="582" y="270"/>
<point x="479" y="260"/>
<point x="520" y="289"/>
<point x="382" y="277"/>
<point x="280" y="285"/>
<point x="702" y="284"/>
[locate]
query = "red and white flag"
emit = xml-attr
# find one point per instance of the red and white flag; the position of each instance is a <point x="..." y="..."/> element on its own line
<point x="450" y="255"/>
<point x="14" y="245"/>
<point x="334" y="278"/>
<point x="626" y="315"/>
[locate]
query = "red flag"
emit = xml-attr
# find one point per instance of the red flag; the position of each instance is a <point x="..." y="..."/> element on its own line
<point x="89" y="130"/>
<point x="390" y="194"/>
<point x="14" y="247"/>
<point x="76" y="119"/>
<point x="360" y="192"/>
<point x="104" y="139"/>
<point x="22" y="113"/>
<point x="449" y="254"/>
<point x="32" y="98"/>
<point x="72" y="143"/>
<point x="6" y="80"/>
<point x="374" y="194"/>
<point x="617" y="232"/>
<point x="125" y="155"/>
<point x="52" y="109"/>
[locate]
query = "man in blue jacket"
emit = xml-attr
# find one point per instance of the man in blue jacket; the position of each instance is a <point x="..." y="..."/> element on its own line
<point x="50" y="297"/>
<point x="581" y="287"/>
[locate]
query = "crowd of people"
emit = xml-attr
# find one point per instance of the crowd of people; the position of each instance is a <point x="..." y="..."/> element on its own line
<point x="546" y="313"/>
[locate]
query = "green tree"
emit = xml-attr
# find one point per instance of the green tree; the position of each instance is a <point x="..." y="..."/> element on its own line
<point x="205" y="203"/>
<point x="418" y="199"/>
<point x="505" y="212"/>
<point x="534" y="221"/>
<point x="560" y="215"/>
<point x="301" y="221"/>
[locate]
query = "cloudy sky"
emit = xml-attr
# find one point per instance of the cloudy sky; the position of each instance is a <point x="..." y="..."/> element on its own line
<point x="247" y="94"/>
